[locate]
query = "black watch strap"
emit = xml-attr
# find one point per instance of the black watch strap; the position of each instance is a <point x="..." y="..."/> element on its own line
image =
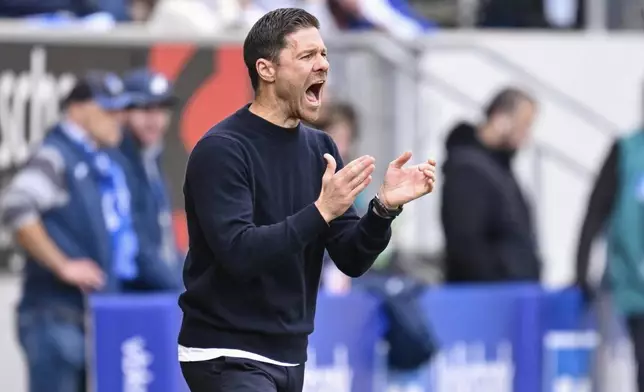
<point x="381" y="210"/>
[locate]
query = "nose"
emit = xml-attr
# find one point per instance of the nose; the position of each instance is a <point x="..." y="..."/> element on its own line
<point x="322" y="65"/>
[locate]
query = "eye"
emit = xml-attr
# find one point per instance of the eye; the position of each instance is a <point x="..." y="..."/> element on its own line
<point x="308" y="56"/>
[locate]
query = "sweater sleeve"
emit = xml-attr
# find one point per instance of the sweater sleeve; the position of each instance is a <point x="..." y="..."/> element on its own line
<point x="218" y="182"/>
<point x="354" y="243"/>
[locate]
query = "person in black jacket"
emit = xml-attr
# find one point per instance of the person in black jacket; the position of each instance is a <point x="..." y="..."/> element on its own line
<point x="486" y="219"/>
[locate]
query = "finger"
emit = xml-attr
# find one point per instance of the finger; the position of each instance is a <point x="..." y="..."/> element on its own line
<point x="358" y="160"/>
<point x="356" y="167"/>
<point x="401" y="160"/>
<point x="95" y="284"/>
<point x="90" y="283"/>
<point x="425" y="166"/>
<point x="432" y="162"/>
<point x="357" y="190"/>
<point x="364" y="160"/>
<point x="330" y="167"/>
<point x="98" y="282"/>
<point x="87" y="285"/>
<point x="95" y="277"/>
<point x="96" y="272"/>
<point x="429" y="174"/>
<point x="430" y="186"/>
<point x="361" y="177"/>
<point x="93" y="268"/>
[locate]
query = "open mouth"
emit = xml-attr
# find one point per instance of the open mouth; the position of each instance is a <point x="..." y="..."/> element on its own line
<point x="314" y="92"/>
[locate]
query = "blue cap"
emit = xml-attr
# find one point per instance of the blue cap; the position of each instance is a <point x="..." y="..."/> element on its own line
<point x="148" y="88"/>
<point x="105" y="88"/>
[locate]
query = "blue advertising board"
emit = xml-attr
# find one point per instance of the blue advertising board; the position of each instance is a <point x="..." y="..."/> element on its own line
<point x="134" y="340"/>
<point x="492" y="338"/>
<point x="569" y="342"/>
<point x="345" y="354"/>
<point x="489" y="338"/>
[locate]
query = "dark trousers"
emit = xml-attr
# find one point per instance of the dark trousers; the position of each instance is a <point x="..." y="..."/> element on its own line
<point x="227" y="374"/>
<point x="636" y="329"/>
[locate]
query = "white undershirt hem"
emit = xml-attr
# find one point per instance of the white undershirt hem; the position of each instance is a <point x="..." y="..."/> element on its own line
<point x="191" y="354"/>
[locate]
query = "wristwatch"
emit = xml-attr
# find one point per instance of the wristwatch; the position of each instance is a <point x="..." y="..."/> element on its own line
<point x="382" y="211"/>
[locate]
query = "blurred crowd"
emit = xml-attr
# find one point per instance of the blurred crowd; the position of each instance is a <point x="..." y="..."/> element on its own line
<point x="90" y="209"/>
<point x="215" y="16"/>
<point x="404" y="19"/>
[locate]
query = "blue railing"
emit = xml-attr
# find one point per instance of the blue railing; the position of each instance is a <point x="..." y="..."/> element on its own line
<point x="493" y="338"/>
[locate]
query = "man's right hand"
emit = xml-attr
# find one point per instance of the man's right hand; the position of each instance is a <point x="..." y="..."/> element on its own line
<point x="339" y="190"/>
<point x="82" y="273"/>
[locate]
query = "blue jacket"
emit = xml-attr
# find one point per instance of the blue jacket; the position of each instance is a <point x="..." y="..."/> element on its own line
<point x="155" y="274"/>
<point x="78" y="229"/>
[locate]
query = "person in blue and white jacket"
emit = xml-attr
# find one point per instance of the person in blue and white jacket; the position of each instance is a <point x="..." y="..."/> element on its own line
<point x="69" y="209"/>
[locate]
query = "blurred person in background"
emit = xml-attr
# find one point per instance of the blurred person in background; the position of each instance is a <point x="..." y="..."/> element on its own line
<point x="140" y="10"/>
<point x="616" y="208"/>
<point x="542" y="14"/>
<point x="213" y="16"/>
<point x="252" y="10"/>
<point x="83" y="13"/>
<point x="25" y="8"/>
<point x="146" y="123"/>
<point x="486" y="219"/>
<point x="200" y="16"/>
<point x="396" y="17"/>
<point x="339" y="120"/>
<point x="69" y="210"/>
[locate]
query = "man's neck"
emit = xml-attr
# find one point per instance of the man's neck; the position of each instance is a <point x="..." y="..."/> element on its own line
<point x="273" y="111"/>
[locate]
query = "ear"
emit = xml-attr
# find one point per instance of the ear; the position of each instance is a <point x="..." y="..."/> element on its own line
<point x="266" y="70"/>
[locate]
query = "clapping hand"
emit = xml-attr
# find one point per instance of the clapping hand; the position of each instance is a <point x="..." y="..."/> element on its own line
<point x="404" y="184"/>
<point x="339" y="190"/>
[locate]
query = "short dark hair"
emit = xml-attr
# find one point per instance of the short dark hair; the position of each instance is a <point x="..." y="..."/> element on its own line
<point x="267" y="37"/>
<point x="506" y="101"/>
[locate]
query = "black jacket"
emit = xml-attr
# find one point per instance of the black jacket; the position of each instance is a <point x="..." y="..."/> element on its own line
<point x="486" y="219"/>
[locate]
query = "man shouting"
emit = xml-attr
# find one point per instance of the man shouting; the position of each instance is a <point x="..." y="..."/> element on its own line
<point x="265" y="195"/>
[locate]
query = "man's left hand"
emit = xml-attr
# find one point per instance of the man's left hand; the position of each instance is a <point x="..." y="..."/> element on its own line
<point x="404" y="184"/>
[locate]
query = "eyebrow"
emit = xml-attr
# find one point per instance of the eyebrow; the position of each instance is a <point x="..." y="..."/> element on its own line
<point x="311" y="50"/>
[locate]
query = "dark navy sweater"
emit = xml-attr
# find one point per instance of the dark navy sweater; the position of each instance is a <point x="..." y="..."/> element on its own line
<point x="257" y="240"/>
